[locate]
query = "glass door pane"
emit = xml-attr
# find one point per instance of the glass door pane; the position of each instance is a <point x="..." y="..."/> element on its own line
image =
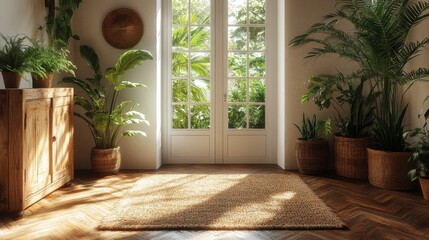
<point x="191" y="64"/>
<point x="246" y="64"/>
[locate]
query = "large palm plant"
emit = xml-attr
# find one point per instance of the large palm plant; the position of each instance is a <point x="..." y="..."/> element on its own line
<point x="379" y="45"/>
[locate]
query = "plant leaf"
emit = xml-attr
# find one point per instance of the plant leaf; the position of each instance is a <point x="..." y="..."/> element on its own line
<point x="91" y="58"/>
<point x="127" y="84"/>
<point x="132" y="59"/>
<point x="130" y="133"/>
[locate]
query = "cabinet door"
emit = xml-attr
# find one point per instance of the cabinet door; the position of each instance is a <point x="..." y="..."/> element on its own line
<point x="37" y="164"/>
<point x="62" y="151"/>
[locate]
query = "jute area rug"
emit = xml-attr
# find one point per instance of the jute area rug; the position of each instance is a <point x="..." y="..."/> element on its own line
<point x="222" y="202"/>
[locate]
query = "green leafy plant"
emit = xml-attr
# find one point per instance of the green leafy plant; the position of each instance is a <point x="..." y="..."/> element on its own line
<point x="14" y="54"/>
<point x="420" y="147"/>
<point x="312" y="129"/>
<point x="389" y="132"/>
<point x="46" y="59"/>
<point x="354" y="120"/>
<point x="199" y="64"/>
<point x="103" y="114"/>
<point x="58" y="23"/>
<point x="379" y="45"/>
<point x="360" y="119"/>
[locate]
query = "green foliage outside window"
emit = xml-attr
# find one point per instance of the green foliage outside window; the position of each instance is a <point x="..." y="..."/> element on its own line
<point x="191" y="96"/>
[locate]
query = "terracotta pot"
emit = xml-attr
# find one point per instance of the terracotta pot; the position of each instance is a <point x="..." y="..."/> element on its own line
<point x="11" y="79"/>
<point x="424" y="184"/>
<point x="312" y="156"/>
<point x="351" y="157"/>
<point x="106" y="161"/>
<point x="389" y="170"/>
<point x="42" y="82"/>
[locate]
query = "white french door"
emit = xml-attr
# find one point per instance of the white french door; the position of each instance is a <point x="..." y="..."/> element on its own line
<point x="220" y="82"/>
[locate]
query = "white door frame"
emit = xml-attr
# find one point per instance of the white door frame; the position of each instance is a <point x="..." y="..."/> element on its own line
<point x="219" y="132"/>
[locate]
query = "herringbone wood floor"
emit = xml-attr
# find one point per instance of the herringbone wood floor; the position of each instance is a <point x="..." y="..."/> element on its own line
<point x="73" y="212"/>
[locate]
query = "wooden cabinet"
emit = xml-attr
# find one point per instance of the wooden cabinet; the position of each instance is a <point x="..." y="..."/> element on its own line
<point x="36" y="144"/>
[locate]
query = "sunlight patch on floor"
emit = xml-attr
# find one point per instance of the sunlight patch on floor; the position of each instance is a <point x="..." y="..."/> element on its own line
<point x="267" y="208"/>
<point x="180" y="187"/>
<point x="284" y="196"/>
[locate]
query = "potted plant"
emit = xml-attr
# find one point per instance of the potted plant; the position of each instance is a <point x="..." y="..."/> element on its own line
<point x="389" y="44"/>
<point x="344" y="93"/>
<point x="420" y="151"/>
<point x="351" y="143"/>
<point x="354" y="118"/>
<point x="46" y="60"/>
<point x="379" y="46"/>
<point x="13" y="60"/>
<point x="104" y="115"/>
<point x="312" y="151"/>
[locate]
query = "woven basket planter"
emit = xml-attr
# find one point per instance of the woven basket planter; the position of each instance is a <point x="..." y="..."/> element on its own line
<point x="106" y="161"/>
<point x="389" y="170"/>
<point x="351" y="157"/>
<point x="312" y="156"/>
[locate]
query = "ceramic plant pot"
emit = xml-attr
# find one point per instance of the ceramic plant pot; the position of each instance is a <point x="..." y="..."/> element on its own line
<point x="11" y="79"/>
<point x="42" y="82"/>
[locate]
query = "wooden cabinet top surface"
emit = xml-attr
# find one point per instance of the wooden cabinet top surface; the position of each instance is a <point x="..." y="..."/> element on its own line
<point x="37" y="93"/>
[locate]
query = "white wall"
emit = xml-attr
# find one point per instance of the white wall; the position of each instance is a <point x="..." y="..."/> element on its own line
<point x="281" y="98"/>
<point x="420" y="90"/>
<point x="137" y="152"/>
<point x="21" y="17"/>
<point x="300" y="15"/>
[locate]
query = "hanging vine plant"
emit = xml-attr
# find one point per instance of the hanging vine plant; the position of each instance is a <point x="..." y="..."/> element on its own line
<point x="58" y="20"/>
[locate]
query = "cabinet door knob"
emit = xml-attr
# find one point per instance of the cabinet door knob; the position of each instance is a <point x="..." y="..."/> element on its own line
<point x="54" y="139"/>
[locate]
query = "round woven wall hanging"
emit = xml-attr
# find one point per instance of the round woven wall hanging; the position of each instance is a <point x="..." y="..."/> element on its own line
<point x="122" y="28"/>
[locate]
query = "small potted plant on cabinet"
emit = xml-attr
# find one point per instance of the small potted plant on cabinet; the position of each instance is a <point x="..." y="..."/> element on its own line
<point x="103" y="114"/>
<point x="13" y="60"/>
<point x="312" y="151"/>
<point x="420" y="151"/>
<point x="46" y="60"/>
